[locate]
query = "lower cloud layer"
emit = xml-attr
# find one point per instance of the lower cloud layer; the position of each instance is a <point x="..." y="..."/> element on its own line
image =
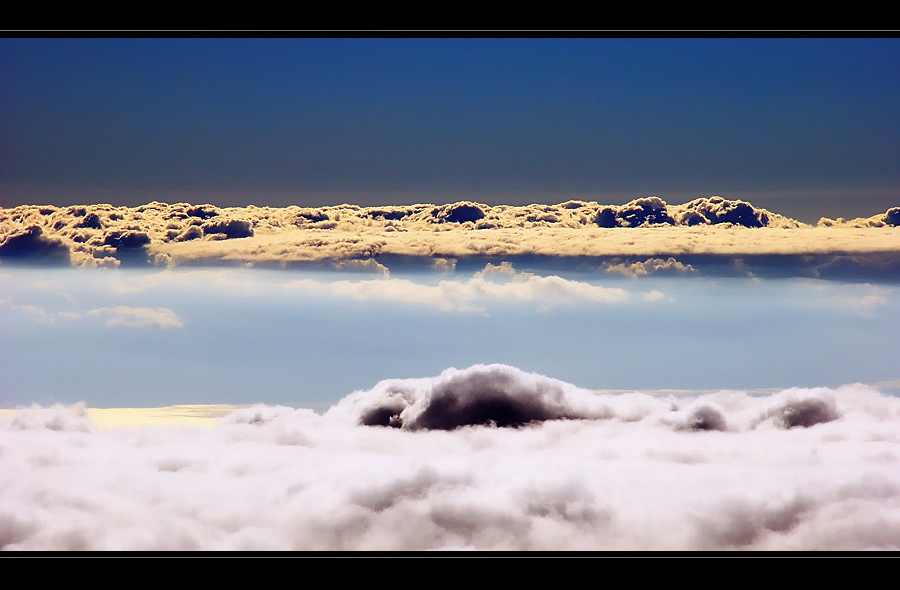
<point x="485" y="458"/>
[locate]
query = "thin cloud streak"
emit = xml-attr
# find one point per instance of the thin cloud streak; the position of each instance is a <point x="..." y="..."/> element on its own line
<point x="495" y="283"/>
<point x="137" y="317"/>
<point x="117" y="316"/>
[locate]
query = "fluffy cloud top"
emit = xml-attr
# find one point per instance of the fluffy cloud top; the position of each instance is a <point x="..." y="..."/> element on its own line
<point x="504" y="396"/>
<point x="482" y="395"/>
<point x="177" y="234"/>
<point x="485" y="458"/>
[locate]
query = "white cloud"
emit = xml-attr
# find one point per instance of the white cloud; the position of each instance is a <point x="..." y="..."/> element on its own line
<point x="36" y="313"/>
<point x="41" y="315"/>
<point x="797" y="470"/>
<point x="494" y="284"/>
<point x="654" y="295"/>
<point x="137" y="317"/>
<point x="867" y="304"/>
<point x="863" y="300"/>
<point x="222" y="279"/>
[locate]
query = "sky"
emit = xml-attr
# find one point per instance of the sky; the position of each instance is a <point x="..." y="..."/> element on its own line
<point x="126" y="338"/>
<point x="716" y="375"/>
<point x="803" y="127"/>
<point x="502" y="409"/>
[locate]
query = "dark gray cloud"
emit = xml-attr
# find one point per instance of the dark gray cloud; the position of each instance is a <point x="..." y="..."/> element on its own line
<point x="892" y="216"/>
<point x="459" y="212"/>
<point x="126" y="240"/>
<point x="706" y="417"/>
<point x="229" y="228"/>
<point x="481" y="396"/>
<point x="31" y="245"/>
<point x="803" y="412"/>
<point x="715" y="210"/>
<point x="650" y="211"/>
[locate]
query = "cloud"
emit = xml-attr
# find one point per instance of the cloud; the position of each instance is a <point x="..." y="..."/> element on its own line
<point x="803" y="409"/>
<point x="228" y="228"/>
<point x="867" y="305"/>
<point x="30" y="244"/>
<point x="716" y="210"/>
<point x="861" y="300"/>
<point x="42" y="315"/>
<point x="493" y="284"/>
<point x="137" y="317"/>
<point x="644" y="229"/>
<point x="654" y="266"/>
<point x="654" y="295"/>
<point x="444" y="265"/>
<point x="500" y="395"/>
<point x="484" y="458"/>
<point x="368" y="265"/>
<point x="50" y="305"/>
<point x="222" y="280"/>
<point x="484" y="394"/>
<point x="459" y="213"/>
<point x="126" y="240"/>
<point x="58" y="417"/>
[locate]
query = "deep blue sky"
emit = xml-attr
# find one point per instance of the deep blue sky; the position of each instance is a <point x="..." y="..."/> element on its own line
<point x="806" y="127"/>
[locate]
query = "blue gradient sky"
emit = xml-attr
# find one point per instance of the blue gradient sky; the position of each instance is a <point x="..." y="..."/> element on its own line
<point x="806" y="127"/>
<point x="248" y="336"/>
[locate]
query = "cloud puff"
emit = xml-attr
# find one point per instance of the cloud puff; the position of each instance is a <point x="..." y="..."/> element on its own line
<point x="495" y="395"/>
<point x="890" y="218"/>
<point x="640" y="212"/>
<point x="126" y="240"/>
<point x="367" y="265"/>
<point x="654" y="266"/>
<point x="484" y="458"/>
<point x="31" y="244"/>
<point x="459" y="212"/>
<point x="716" y="210"/>
<point x="58" y="417"/>
<point x="228" y="228"/>
<point x="137" y="317"/>
<point x="802" y="409"/>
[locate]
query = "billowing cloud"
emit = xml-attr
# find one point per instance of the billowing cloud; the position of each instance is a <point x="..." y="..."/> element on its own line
<point x="30" y="244"/>
<point x="484" y="458"/>
<point x="58" y="417"/>
<point x="481" y="395"/>
<point x="654" y="266"/>
<point x="368" y="265"/>
<point x="346" y="235"/>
